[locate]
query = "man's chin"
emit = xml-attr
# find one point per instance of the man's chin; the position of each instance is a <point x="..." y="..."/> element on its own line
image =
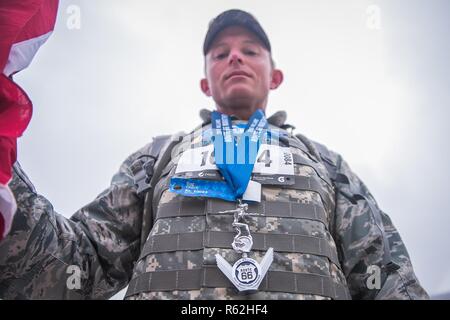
<point x="242" y="106"/>
<point x="239" y="102"/>
<point x="240" y="96"/>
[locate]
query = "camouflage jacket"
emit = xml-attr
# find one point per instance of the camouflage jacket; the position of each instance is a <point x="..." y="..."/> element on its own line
<point x="102" y="240"/>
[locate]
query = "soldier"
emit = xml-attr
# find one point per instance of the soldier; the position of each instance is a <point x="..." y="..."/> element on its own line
<point x="182" y="221"/>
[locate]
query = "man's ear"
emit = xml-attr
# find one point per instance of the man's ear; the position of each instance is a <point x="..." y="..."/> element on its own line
<point x="205" y="87"/>
<point x="277" y="79"/>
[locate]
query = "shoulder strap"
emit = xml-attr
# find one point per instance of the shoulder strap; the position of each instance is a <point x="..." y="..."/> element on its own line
<point x="147" y="171"/>
<point x="323" y="155"/>
<point x="143" y="167"/>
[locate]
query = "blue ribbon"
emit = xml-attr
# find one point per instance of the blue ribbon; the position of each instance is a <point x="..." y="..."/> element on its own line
<point x="235" y="157"/>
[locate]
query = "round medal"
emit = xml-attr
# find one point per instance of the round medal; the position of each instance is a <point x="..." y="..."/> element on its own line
<point x="242" y="244"/>
<point x="246" y="271"/>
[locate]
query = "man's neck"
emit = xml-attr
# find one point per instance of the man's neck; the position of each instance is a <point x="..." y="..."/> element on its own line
<point x="240" y="113"/>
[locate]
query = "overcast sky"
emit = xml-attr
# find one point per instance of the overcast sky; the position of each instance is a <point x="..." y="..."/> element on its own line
<point x="367" y="78"/>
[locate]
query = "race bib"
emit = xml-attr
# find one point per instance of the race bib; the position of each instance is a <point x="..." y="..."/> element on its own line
<point x="198" y="163"/>
<point x="272" y="160"/>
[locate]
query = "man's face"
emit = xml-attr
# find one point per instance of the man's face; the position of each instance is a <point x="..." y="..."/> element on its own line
<point x="239" y="71"/>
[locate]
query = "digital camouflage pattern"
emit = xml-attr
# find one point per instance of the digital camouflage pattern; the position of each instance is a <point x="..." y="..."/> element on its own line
<point x="103" y="239"/>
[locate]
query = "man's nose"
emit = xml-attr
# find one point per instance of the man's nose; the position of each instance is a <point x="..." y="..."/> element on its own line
<point x="235" y="58"/>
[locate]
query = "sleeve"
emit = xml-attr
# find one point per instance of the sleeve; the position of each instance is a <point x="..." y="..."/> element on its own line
<point x="373" y="256"/>
<point x="89" y="256"/>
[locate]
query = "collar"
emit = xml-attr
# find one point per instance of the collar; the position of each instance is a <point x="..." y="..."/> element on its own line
<point x="278" y="119"/>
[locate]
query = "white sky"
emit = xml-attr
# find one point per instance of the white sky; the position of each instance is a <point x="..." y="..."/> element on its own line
<point x="375" y="91"/>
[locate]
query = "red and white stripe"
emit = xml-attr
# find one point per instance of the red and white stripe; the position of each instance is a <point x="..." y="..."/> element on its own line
<point x="24" y="26"/>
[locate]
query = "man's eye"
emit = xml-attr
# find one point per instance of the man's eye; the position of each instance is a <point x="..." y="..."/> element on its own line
<point x="221" y="56"/>
<point x="250" y="52"/>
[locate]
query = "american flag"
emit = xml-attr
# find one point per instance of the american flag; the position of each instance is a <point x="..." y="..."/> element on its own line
<point x="24" y="26"/>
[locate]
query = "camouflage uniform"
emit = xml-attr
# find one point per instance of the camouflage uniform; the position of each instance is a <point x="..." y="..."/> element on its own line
<point x="103" y="239"/>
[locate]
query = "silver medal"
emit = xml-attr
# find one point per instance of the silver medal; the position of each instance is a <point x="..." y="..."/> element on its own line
<point x="242" y="244"/>
<point x="246" y="274"/>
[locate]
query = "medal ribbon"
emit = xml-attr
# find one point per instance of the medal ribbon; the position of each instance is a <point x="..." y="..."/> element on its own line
<point x="235" y="157"/>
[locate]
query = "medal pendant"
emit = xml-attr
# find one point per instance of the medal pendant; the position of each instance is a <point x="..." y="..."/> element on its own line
<point x="246" y="274"/>
<point x="242" y="244"/>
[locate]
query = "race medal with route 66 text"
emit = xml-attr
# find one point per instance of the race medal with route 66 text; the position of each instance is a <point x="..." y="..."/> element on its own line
<point x="246" y="274"/>
<point x="246" y="271"/>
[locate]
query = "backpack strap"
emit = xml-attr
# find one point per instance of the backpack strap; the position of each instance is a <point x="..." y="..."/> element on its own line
<point x="143" y="167"/>
<point x="147" y="171"/>
<point x="323" y="155"/>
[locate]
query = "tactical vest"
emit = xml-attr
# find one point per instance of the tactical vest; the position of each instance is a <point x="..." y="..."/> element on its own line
<point x="178" y="258"/>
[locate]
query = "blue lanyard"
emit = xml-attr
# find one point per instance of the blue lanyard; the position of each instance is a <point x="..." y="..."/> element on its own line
<point x="235" y="157"/>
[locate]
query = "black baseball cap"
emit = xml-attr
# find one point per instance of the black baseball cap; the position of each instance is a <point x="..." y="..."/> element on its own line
<point x="234" y="17"/>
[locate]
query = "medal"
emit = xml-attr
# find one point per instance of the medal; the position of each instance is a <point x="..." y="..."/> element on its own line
<point x="235" y="158"/>
<point x="246" y="274"/>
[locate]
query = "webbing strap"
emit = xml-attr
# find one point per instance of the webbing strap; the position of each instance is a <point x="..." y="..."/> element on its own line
<point x="291" y="142"/>
<point x="217" y="239"/>
<point x="212" y="277"/>
<point x="193" y="207"/>
<point x="339" y="178"/>
<point x="160" y="151"/>
<point x="188" y="207"/>
<point x="278" y="209"/>
<point x="379" y="223"/>
<point x="143" y="167"/>
<point x="311" y="184"/>
<point x="307" y="162"/>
